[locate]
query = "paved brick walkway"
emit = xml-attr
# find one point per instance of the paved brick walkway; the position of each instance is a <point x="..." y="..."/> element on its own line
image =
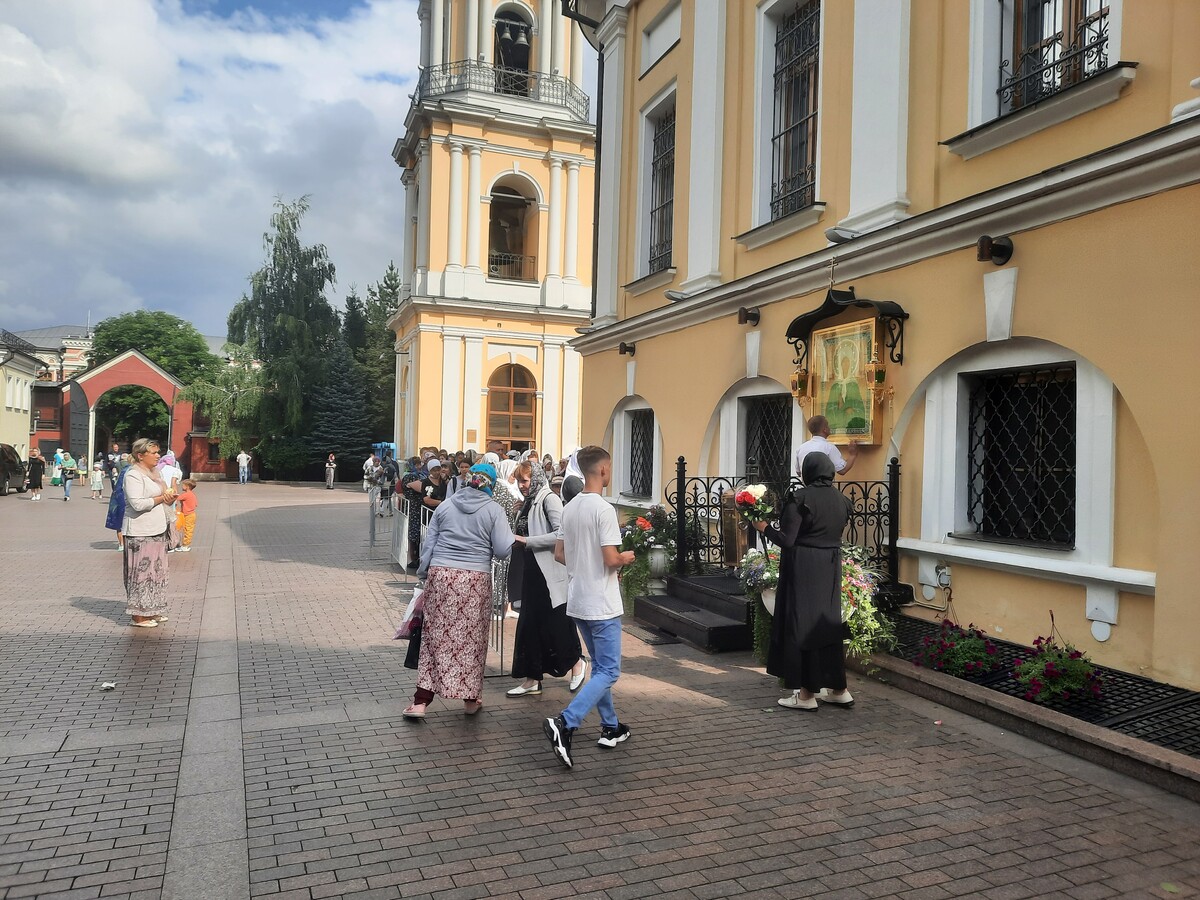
<point x="253" y="747"/>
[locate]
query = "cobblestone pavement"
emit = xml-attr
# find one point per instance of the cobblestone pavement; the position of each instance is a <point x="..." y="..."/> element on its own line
<point x="253" y="747"/>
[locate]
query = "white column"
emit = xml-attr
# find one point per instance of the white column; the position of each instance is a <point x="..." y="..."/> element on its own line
<point x="571" y="254"/>
<point x="703" y="263"/>
<point x="437" y="19"/>
<point x="552" y="400"/>
<point x="472" y="34"/>
<point x="558" y="54"/>
<point x="577" y="43"/>
<point x="879" y="115"/>
<point x="485" y="35"/>
<point x="424" y="187"/>
<point x="545" y="35"/>
<point x="554" y="229"/>
<point x="571" y="398"/>
<point x="472" y="388"/>
<point x="399" y="403"/>
<point x="409" y="256"/>
<point x="454" y="236"/>
<point x="423" y="15"/>
<point x="611" y="34"/>
<point x="452" y="390"/>
<point x="473" y="204"/>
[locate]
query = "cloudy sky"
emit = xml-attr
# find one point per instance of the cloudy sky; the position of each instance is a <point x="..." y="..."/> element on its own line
<point x="142" y="143"/>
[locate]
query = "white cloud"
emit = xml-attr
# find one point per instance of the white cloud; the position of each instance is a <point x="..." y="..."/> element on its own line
<point x="141" y="148"/>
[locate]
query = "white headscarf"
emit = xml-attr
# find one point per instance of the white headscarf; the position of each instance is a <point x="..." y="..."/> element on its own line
<point x="573" y="467"/>
<point x="504" y="472"/>
<point x="492" y="459"/>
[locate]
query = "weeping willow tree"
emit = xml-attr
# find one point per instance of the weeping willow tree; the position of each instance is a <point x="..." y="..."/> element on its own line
<point x="231" y="400"/>
<point x="287" y="322"/>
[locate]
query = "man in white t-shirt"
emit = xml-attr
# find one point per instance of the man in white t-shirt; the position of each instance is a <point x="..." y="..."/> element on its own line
<point x="589" y="544"/>
<point x="818" y="427"/>
<point x="243" y="461"/>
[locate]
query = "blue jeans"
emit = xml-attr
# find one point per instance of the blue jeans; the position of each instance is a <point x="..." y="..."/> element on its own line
<point x="67" y="485"/>
<point x="243" y="474"/>
<point x="603" y="641"/>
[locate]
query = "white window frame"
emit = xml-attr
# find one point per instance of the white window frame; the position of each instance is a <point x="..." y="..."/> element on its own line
<point x="767" y="18"/>
<point x="650" y="112"/>
<point x="621" y="447"/>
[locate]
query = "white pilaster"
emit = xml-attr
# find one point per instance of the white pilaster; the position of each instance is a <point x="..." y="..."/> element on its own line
<point x="472" y="30"/>
<point x="454" y="236"/>
<point x="611" y="35"/>
<point x="424" y="207"/>
<point x="423" y="15"/>
<point x="399" y="404"/>
<point x="879" y="115"/>
<point x="571" y="399"/>
<point x="472" y="388"/>
<point x="552" y="401"/>
<point x="571" y="240"/>
<point x="554" y="229"/>
<point x="408" y="257"/>
<point x="452" y="390"/>
<point x="473" y="206"/>
<point x="485" y="32"/>
<point x="545" y="34"/>
<point x="558" y="60"/>
<point x="703" y="264"/>
<point x="437" y="19"/>
<point x="577" y="43"/>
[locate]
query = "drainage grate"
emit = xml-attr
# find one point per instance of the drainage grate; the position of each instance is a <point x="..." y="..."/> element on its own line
<point x="1152" y="711"/>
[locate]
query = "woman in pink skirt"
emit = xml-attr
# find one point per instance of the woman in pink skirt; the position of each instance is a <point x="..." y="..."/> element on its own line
<point x="466" y="533"/>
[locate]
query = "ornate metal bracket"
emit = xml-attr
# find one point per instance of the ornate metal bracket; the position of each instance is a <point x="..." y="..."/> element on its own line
<point x="890" y="313"/>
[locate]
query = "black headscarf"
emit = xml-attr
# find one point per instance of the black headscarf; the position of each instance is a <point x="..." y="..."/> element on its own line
<point x="816" y="470"/>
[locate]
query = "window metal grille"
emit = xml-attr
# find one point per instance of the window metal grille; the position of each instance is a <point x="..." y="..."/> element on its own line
<point x="641" y="452"/>
<point x="1053" y="45"/>
<point x="794" y="132"/>
<point x="662" y="192"/>
<point x="769" y="438"/>
<point x="1021" y="456"/>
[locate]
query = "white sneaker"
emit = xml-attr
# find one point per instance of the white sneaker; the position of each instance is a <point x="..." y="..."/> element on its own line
<point x="577" y="680"/>
<point x="794" y="702"/>
<point x="843" y="699"/>
<point x="187" y="549"/>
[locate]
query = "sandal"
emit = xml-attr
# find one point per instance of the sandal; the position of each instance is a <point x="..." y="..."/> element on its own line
<point x="146" y="623"/>
<point x="471" y="707"/>
<point x="416" y="711"/>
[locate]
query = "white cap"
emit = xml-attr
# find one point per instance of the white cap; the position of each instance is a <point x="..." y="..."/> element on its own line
<point x="435" y="464"/>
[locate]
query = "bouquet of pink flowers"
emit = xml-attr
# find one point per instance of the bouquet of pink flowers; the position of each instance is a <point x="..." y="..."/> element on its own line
<point x="753" y="501"/>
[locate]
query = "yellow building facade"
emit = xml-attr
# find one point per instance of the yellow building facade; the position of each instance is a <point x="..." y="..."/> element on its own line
<point x="1031" y="390"/>
<point x="498" y="169"/>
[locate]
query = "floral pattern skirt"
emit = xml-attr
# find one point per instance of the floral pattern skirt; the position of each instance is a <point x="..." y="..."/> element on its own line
<point x="458" y="608"/>
<point x="145" y="575"/>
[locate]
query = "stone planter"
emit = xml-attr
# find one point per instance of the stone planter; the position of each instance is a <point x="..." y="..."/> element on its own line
<point x="768" y="599"/>
<point x="659" y="564"/>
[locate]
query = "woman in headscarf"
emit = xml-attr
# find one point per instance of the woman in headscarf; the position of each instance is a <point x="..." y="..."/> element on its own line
<point x="148" y="511"/>
<point x="510" y="500"/>
<point x="572" y="479"/>
<point x="807" y="632"/>
<point x="465" y="535"/>
<point x="547" y="641"/>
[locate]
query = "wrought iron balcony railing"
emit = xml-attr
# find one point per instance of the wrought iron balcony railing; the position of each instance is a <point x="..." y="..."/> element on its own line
<point x="1054" y="63"/>
<point x="467" y="75"/>
<point x="512" y="267"/>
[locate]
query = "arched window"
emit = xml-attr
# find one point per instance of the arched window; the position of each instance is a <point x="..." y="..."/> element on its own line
<point x="512" y="407"/>
<point x="511" y="52"/>
<point x="512" y="234"/>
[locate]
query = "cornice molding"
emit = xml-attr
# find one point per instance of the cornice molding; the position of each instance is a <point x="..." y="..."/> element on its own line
<point x="1158" y="161"/>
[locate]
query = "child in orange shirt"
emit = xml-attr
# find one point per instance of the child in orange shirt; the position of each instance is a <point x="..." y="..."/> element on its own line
<point x="187" y="514"/>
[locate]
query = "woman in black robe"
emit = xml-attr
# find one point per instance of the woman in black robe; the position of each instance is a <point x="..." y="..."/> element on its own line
<point x="806" y="648"/>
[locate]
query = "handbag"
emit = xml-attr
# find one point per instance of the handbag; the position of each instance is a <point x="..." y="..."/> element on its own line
<point x="413" y="614"/>
<point x="56" y="481"/>
<point x="412" y="659"/>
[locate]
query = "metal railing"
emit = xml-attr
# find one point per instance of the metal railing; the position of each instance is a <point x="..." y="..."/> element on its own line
<point x="700" y="525"/>
<point x="512" y="267"/>
<point x="1059" y="60"/>
<point x="469" y="75"/>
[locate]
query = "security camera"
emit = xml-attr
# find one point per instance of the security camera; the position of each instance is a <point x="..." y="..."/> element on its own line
<point x="840" y="235"/>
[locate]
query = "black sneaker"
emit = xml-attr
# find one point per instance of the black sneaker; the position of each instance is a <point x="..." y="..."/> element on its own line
<point x="610" y="737"/>
<point x="560" y="738"/>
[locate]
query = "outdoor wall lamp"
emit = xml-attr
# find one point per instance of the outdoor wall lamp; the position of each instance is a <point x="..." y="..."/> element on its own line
<point x="748" y="316"/>
<point x="626" y="349"/>
<point x="998" y="250"/>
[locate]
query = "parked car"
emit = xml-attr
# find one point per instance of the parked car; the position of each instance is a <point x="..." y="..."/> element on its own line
<point x="12" y="470"/>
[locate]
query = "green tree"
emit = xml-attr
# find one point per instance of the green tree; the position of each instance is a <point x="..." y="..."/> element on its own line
<point x="286" y="320"/>
<point x="354" y="322"/>
<point x="231" y="400"/>
<point x="339" y="416"/>
<point x="164" y="339"/>
<point x="377" y="358"/>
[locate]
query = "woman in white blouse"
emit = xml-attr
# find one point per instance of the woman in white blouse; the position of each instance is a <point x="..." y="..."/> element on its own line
<point x="148" y="506"/>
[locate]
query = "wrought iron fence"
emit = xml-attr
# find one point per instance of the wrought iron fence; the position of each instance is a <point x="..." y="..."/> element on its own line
<point x="1049" y="60"/>
<point x="512" y="266"/>
<point x="702" y="528"/>
<point x="469" y="75"/>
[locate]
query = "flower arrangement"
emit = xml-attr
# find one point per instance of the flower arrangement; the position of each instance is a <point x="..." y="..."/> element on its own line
<point x="754" y="502"/>
<point x="642" y="534"/>
<point x="958" y="651"/>
<point x="1057" y="671"/>
<point x="758" y="570"/>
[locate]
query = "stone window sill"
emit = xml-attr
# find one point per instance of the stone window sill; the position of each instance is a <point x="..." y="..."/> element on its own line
<point x="649" y="282"/>
<point x="781" y="228"/>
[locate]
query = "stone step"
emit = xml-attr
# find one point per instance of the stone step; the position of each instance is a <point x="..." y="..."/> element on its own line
<point x="700" y="627"/>
<point x="720" y="594"/>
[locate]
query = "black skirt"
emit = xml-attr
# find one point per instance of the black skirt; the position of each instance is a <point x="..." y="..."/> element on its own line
<point x="547" y="641"/>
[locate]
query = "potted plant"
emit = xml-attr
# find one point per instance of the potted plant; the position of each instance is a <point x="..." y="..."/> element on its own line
<point x="652" y="540"/>
<point x="1057" y="671"/>
<point x="961" y="652"/>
